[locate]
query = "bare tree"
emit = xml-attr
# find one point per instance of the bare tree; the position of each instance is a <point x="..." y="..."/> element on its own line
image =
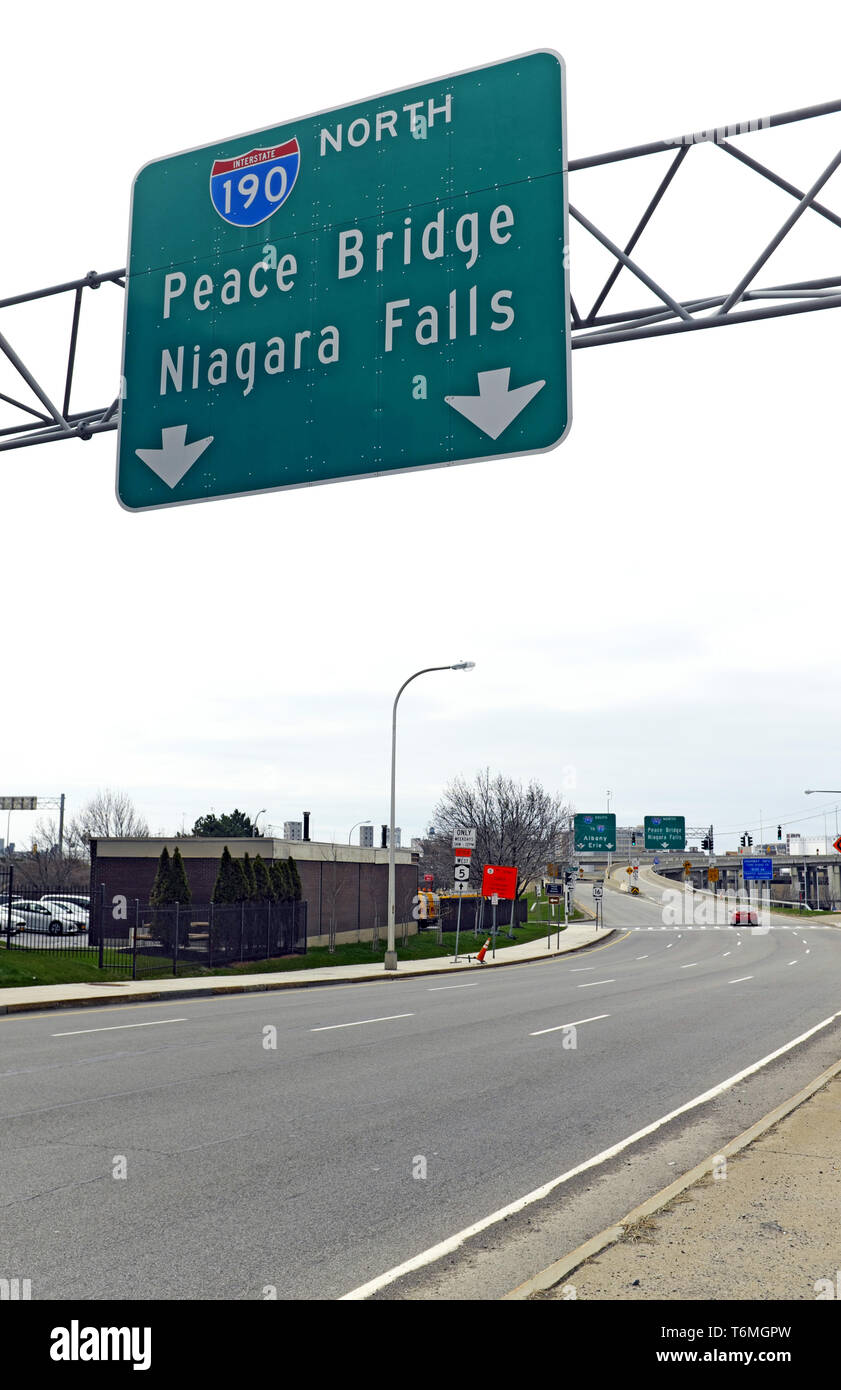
<point x="520" y="825"/>
<point x="44" y="869"/>
<point x="109" y="814"/>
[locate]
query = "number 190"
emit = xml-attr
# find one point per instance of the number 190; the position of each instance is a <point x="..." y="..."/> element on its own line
<point x="274" y="186"/>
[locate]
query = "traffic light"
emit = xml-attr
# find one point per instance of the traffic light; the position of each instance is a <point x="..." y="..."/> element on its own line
<point x="705" y="843"/>
<point x="633" y="838"/>
<point x="779" y="832"/>
<point x="743" y="841"/>
<point x="750" y="840"/>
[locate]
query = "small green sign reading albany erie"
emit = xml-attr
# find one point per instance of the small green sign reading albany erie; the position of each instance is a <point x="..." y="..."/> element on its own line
<point x="596" y="831"/>
<point x="372" y="289"/>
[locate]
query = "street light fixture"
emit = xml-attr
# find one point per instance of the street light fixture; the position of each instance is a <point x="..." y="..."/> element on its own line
<point x="254" y="823"/>
<point x="356" y="827"/>
<point x="391" y="952"/>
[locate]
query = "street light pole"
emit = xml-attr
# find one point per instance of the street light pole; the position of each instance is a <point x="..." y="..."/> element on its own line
<point x="254" y="823"/>
<point x="391" y="952"/>
<point x="355" y="827"/>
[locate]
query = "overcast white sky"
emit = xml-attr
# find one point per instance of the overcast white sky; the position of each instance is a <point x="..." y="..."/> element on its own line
<point x="653" y="604"/>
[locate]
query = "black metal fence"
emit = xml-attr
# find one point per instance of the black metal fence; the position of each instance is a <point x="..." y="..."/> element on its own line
<point x="128" y="937"/>
<point x="477" y="913"/>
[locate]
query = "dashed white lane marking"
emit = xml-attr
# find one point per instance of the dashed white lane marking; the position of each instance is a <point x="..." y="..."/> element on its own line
<point x="792" y="962"/>
<point x="670" y="945"/>
<point x="118" y="1027"/>
<point x="387" y="1018"/>
<point x="452" y="1243"/>
<point x="436" y="989"/>
<point x="807" y="951"/>
<point x="728" y="953"/>
<point x="689" y="966"/>
<point x="579" y="969"/>
<point x="641" y="957"/>
<point x="588" y="984"/>
<point x="740" y="979"/>
<point x="576" y="1024"/>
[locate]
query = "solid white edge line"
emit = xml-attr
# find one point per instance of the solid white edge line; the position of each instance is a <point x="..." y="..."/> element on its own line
<point x="446" y="1247"/>
<point x="358" y="1022"/>
<point x="118" y="1027"/>
<point x="576" y="1024"/>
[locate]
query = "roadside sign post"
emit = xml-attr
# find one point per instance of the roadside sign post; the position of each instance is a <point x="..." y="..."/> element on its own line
<point x="366" y="290"/>
<point x="598" y="895"/>
<point x="464" y="843"/>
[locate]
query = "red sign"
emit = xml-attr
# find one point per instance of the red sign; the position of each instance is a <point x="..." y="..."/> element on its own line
<point x="499" y="879"/>
<point x="837" y="844"/>
<point x="463" y="853"/>
<point x="428" y="878"/>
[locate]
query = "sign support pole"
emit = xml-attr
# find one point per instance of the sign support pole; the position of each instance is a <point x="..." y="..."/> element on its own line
<point x="458" y="926"/>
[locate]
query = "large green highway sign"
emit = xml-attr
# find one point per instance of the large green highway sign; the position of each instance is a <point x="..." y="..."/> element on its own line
<point x="372" y="289"/>
<point x="665" y="832"/>
<point x="596" y="832"/>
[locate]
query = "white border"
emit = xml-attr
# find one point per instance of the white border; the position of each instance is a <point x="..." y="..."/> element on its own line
<point x="382" y="472"/>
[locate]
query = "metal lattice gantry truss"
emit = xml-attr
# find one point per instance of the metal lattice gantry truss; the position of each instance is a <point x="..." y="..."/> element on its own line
<point x="43" y="420"/>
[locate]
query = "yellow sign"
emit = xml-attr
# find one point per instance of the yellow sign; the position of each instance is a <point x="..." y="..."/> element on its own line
<point x="712" y="875"/>
<point x="629" y="870"/>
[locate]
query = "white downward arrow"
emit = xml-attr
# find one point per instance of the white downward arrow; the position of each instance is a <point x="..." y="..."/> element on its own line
<point x="175" y="456"/>
<point x="495" y="406"/>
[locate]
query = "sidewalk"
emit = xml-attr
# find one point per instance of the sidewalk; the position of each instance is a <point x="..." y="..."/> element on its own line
<point x="759" y="1224"/>
<point x="21" y="1000"/>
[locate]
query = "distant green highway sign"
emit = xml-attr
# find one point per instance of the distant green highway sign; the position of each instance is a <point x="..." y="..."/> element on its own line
<point x="665" y="832"/>
<point x="595" y="832"/>
<point x="377" y="288"/>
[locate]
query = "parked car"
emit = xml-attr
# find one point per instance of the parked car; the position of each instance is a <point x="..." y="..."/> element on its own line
<point x="56" y="918"/>
<point x="744" y="917"/>
<point x="79" y="912"/>
<point x="77" y="899"/>
<point x="13" y="926"/>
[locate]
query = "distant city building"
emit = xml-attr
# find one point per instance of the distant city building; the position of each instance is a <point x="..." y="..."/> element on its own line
<point x="293" y="830"/>
<point x="366" y="837"/>
<point x="417" y="845"/>
<point x="809" y="844"/>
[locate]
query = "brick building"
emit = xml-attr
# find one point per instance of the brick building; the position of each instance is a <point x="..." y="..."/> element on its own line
<point x="344" y="881"/>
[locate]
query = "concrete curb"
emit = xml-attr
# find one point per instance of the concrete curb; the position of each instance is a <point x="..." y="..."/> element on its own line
<point x="553" y="1274"/>
<point x="188" y="992"/>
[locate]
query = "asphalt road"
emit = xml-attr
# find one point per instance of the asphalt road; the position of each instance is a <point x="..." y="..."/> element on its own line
<point x="291" y="1168"/>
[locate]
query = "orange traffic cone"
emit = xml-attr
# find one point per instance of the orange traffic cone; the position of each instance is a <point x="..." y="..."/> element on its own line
<point x="480" y="956"/>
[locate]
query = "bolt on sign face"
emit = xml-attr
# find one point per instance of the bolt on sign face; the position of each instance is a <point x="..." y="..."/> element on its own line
<point x="373" y="289"/>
